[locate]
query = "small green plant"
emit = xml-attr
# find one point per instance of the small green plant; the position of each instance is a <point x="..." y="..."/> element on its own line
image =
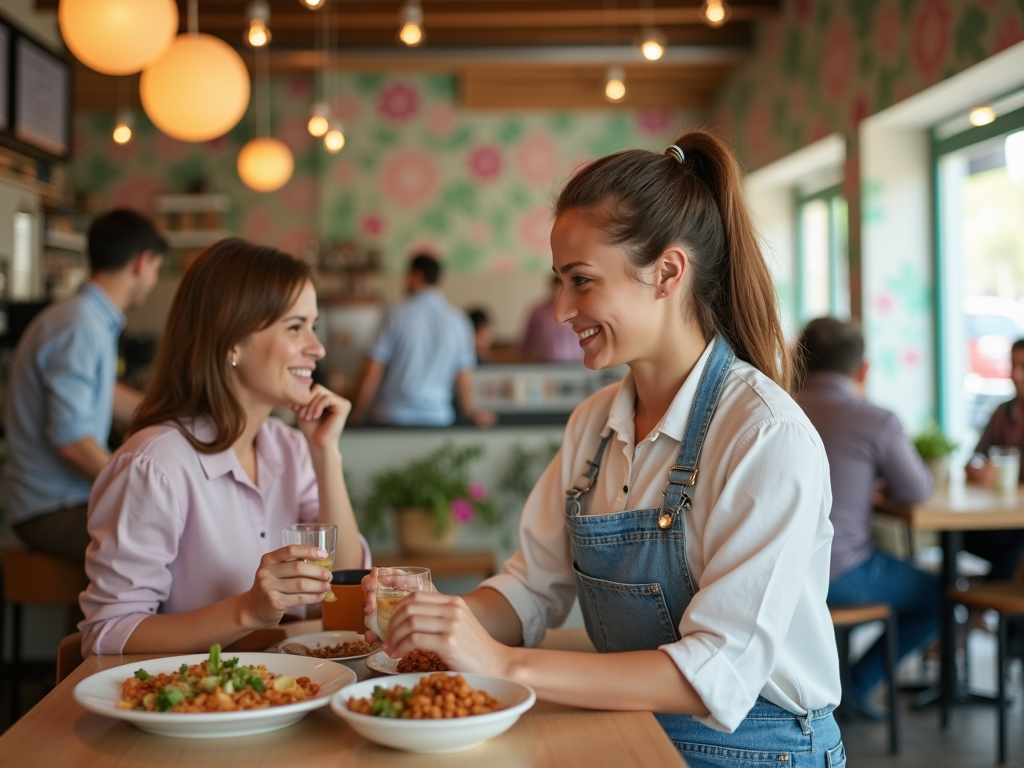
<point x="438" y="482"/>
<point x="934" y="444"/>
<point x="524" y="468"/>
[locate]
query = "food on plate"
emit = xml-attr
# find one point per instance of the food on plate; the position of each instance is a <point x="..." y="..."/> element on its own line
<point x="341" y="650"/>
<point x="214" y="685"/>
<point x="421" y="661"/>
<point x="435" y="697"/>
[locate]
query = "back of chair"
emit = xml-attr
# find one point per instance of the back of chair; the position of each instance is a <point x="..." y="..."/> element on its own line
<point x="36" y="578"/>
<point x="852" y="615"/>
<point x="69" y="655"/>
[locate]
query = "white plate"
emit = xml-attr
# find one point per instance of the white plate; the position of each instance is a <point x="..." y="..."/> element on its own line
<point x="100" y="693"/>
<point x="436" y="736"/>
<point x="381" y="662"/>
<point x="322" y="639"/>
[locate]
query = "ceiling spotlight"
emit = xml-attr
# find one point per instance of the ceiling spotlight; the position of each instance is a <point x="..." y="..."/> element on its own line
<point x="312" y="4"/>
<point x="258" y="34"/>
<point x="981" y="115"/>
<point x="615" y="84"/>
<point x="334" y="139"/>
<point x="652" y="44"/>
<point x="318" y="119"/>
<point x="715" y="12"/>
<point x="123" y="128"/>
<point x="411" y="31"/>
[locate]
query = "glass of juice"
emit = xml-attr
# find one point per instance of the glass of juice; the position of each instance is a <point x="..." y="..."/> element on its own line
<point x="324" y="537"/>
<point x="393" y="586"/>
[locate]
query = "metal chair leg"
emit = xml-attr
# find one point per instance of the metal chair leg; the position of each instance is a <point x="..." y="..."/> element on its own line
<point x="1001" y="673"/>
<point x="891" y="653"/>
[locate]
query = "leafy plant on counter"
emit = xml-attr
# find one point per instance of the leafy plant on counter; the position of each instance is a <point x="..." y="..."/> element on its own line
<point x="524" y="468"/>
<point x="933" y="443"/>
<point x="438" y="482"/>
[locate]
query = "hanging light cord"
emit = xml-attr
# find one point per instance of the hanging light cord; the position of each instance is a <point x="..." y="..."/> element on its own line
<point x="193" y="17"/>
<point x="262" y="73"/>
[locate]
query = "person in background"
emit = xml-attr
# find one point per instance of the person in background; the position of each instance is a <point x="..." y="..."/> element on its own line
<point x="545" y="339"/>
<point x="423" y="354"/>
<point x="63" y="393"/>
<point x="1006" y="427"/>
<point x="186" y="518"/>
<point x="865" y="444"/>
<point x="483" y="333"/>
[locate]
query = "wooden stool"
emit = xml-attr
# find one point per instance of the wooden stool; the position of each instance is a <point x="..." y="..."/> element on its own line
<point x="1006" y="599"/>
<point x="846" y="618"/>
<point x="34" y="578"/>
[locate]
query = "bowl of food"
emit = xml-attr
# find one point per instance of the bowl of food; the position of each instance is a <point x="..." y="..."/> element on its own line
<point x="407" y="714"/>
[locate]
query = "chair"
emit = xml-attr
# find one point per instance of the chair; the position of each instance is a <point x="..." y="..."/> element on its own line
<point x="69" y="655"/>
<point x="34" y="578"/>
<point x="1006" y="599"/>
<point x="846" y="618"/>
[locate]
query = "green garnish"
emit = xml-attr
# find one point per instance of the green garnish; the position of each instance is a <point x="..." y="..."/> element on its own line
<point x="183" y="672"/>
<point x="168" y="696"/>
<point x="214" y="664"/>
<point x="141" y="674"/>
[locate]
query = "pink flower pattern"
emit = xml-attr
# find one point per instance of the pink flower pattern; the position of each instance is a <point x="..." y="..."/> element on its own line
<point x="441" y="120"/>
<point x="838" y="65"/>
<point x="410" y="177"/>
<point x="930" y="38"/>
<point x="398" y="102"/>
<point x="372" y="225"/>
<point x="485" y="163"/>
<point x="294" y="134"/>
<point x="537" y="159"/>
<point x="535" y="230"/>
<point x="300" y="195"/>
<point x="887" y="31"/>
<point x="345" y="107"/>
<point x="138" y="193"/>
<point x="257" y="224"/>
<point x="653" y="121"/>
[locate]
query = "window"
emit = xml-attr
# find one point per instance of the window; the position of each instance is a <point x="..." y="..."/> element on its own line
<point x="979" y="173"/>
<point x="823" y="272"/>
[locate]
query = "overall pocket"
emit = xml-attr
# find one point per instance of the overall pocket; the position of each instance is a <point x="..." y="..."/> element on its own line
<point x="624" y="617"/>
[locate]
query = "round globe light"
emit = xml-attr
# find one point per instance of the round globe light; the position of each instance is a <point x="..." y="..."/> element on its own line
<point x="118" y="37"/>
<point x="265" y="164"/>
<point x="198" y="90"/>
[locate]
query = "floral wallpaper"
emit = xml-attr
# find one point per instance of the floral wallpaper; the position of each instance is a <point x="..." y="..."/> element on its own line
<point x="416" y="173"/>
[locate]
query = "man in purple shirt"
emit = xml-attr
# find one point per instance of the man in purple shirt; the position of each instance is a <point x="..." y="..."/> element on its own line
<point x="865" y="444"/>
<point x="546" y="340"/>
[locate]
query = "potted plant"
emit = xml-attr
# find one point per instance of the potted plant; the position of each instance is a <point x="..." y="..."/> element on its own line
<point x="935" y="447"/>
<point x="432" y="496"/>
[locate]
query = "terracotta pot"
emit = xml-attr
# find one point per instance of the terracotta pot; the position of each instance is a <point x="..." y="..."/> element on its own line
<point x="416" y="534"/>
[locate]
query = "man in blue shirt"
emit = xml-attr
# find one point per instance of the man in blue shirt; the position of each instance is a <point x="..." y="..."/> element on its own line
<point x="63" y="394"/>
<point x="423" y="355"/>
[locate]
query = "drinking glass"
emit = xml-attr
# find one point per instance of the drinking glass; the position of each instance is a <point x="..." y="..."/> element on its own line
<point x="1005" y="459"/>
<point x="393" y="586"/>
<point x="324" y="537"/>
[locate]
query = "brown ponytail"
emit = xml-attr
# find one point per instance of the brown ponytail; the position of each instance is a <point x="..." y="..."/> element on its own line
<point x="646" y="202"/>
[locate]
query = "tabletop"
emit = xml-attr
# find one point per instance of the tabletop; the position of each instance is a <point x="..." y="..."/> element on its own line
<point x="57" y="731"/>
<point x="960" y="508"/>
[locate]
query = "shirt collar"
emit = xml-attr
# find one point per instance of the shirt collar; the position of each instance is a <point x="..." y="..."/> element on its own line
<point x="99" y="298"/>
<point x="831" y="382"/>
<point x="268" y="459"/>
<point x="623" y="411"/>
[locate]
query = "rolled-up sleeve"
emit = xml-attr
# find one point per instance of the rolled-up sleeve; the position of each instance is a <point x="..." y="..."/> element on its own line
<point x="135" y="523"/>
<point x="757" y="547"/>
<point x="70" y="373"/>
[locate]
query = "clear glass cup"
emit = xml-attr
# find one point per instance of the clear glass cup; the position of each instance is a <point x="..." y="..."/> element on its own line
<point x="315" y="535"/>
<point x="393" y="586"/>
<point x="1005" y="460"/>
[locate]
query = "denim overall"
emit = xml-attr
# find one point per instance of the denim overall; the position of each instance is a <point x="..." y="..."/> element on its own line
<point x="633" y="585"/>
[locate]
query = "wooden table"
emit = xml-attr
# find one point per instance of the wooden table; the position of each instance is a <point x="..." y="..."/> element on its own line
<point x="58" y="732"/>
<point x="951" y="512"/>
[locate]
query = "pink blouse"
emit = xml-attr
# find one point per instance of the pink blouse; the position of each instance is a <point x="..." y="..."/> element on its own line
<point x="174" y="530"/>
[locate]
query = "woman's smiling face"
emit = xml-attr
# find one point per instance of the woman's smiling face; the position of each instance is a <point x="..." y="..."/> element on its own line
<point x="275" y="364"/>
<point x="607" y="304"/>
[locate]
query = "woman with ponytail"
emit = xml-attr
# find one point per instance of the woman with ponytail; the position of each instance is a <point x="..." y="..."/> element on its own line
<point x="687" y="509"/>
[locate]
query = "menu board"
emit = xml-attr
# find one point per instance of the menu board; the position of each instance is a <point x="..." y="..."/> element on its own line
<point x="42" y="88"/>
<point x="5" y="60"/>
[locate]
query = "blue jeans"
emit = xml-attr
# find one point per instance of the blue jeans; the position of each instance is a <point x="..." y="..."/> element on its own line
<point x="769" y="736"/>
<point x="914" y="595"/>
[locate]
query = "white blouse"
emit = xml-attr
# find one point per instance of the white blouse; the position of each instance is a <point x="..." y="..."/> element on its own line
<point x="758" y="540"/>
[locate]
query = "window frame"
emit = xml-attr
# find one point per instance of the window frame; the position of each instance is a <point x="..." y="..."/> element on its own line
<point x="831" y="195"/>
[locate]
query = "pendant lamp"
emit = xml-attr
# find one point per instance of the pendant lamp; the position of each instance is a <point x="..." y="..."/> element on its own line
<point x="117" y="37"/>
<point x="199" y="89"/>
<point x="264" y="164"/>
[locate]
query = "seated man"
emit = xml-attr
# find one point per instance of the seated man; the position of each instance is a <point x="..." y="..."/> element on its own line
<point x="1006" y="427"/>
<point x="865" y="444"/>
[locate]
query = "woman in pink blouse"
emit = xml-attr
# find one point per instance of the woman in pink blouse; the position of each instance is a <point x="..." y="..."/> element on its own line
<point x="186" y="519"/>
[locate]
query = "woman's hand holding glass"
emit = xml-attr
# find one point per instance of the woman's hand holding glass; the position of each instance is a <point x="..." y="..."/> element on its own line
<point x="287" y="577"/>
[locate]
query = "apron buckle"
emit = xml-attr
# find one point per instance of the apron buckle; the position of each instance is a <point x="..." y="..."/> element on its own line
<point x="666" y="520"/>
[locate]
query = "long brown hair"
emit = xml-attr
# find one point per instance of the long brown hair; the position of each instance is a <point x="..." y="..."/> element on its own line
<point x="233" y="289"/>
<point x="646" y="202"/>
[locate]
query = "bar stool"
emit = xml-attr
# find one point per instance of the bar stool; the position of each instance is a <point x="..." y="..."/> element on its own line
<point x="34" y="578"/>
<point x="1006" y="599"/>
<point x="846" y="618"/>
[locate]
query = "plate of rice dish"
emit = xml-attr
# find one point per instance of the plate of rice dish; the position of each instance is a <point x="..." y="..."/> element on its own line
<point x="333" y="646"/>
<point x="214" y="696"/>
<point x="414" y="661"/>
